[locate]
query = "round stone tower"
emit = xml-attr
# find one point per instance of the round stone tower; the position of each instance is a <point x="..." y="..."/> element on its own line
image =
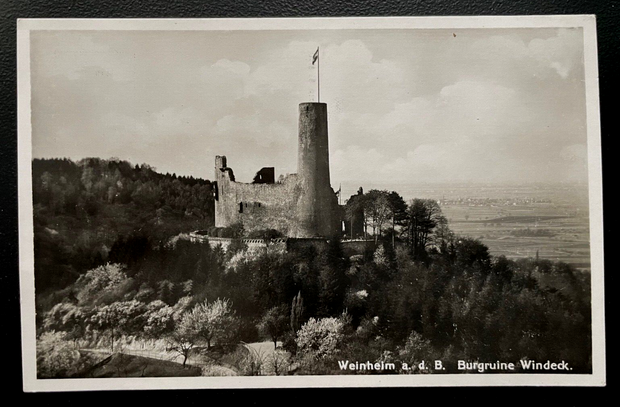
<point x="317" y="204"/>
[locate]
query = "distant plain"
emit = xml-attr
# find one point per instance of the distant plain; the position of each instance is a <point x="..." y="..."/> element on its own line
<point x="517" y="221"/>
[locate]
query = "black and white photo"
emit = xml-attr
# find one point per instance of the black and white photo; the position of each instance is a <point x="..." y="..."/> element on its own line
<point x="310" y="202"/>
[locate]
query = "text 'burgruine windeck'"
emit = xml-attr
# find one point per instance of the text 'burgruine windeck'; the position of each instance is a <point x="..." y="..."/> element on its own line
<point x="301" y="205"/>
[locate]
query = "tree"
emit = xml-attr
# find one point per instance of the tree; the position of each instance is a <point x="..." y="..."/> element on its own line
<point x="100" y="282"/>
<point x="472" y="253"/>
<point x="297" y="310"/>
<point x="423" y="217"/>
<point x="159" y="319"/>
<point x="210" y="322"/>
<point x="122" y="317"/>
<point x="377" y="211"/>
<point x="354" y="214"/>
<point x="320" y="338"/>
<point x="280" y="362"/>
<point x="350" y="212"/>
<point x="416" y="349"/>
<point x="443" y="236"/>
<point x="106" y="319"/>
<point x="82" y="209"/>
<point x="274" y="323"/>
<point x="332" y="279"/>
<point x="182" y="340"/>
<point x="398" y="209"/>
<point x="66" y="317"/>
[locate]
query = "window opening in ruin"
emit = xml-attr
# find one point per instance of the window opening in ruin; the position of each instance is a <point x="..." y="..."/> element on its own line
<point x="240" y="207"/>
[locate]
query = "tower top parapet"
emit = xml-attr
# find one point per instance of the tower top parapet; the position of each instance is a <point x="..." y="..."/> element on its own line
<point x="220" y="161"/>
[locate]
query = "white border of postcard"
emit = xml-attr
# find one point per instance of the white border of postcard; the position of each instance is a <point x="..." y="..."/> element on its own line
<point x="30" y="381"/>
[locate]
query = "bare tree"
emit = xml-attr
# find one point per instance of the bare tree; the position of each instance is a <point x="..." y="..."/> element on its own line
<point x="182" y="341"/>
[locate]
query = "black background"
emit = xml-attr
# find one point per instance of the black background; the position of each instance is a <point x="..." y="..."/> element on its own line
<point x="607" y="13"/>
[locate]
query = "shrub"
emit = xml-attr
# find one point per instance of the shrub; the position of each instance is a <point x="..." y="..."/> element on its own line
<point x="279" y="362"/>
<point x="158" y="319"/>
<point x="248" y="361"/>
<point x="415" y="350"/>
<point x="319" y="338"/>
<point x="102" y="283"/>
<point x="264" y="234"/>
<point x="57" y="357"/>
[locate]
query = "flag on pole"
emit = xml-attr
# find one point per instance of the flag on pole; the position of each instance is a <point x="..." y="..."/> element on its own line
<point x="315" y="56"/>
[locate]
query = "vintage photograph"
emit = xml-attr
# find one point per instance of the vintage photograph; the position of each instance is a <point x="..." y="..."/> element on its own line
<point x="310" y="202"/>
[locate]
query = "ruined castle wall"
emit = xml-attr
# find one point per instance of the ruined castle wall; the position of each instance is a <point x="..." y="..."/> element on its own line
<point x="259" y="206"/>
<point x="303" y="205"/>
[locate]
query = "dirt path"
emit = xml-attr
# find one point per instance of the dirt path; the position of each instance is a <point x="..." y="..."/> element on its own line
<point x="265" y="348"/>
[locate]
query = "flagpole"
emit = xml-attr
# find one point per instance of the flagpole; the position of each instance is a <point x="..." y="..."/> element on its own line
<point x="318" y="74"/>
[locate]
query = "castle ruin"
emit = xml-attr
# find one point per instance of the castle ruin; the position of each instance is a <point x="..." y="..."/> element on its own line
<point x="301" y="205"/>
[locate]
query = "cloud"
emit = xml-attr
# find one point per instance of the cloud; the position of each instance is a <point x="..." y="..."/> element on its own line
<point x="469" y="130"/>
<point x="510" y="55"/>
<point x="466" y="111"/>
<point x="562" y="53"/>
<point x="356" y="82"/>
<point x="446" y="162"/>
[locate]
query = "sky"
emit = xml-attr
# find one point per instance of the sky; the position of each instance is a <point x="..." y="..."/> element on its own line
<point x="405" y="106"/>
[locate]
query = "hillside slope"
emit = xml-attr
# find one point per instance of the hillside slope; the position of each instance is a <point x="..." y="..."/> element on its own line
<point x="83" y="209"/>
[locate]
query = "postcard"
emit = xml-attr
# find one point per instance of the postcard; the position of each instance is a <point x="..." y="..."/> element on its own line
<point x="310" y="202"/>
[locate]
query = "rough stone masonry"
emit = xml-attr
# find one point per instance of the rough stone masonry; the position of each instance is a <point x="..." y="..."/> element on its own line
<point x="301" y="205"/>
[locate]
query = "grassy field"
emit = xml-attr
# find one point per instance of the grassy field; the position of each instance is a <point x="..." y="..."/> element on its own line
<point x="522" y="231"/>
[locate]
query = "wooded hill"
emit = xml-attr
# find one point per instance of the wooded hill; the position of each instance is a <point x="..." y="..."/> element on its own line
<point x="83" y="209"/>
<point x="104" y="279"/>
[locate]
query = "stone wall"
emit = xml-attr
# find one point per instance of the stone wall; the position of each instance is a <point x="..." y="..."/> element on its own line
<point x="349" y="247"/>
<point x="258" y="206"/>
